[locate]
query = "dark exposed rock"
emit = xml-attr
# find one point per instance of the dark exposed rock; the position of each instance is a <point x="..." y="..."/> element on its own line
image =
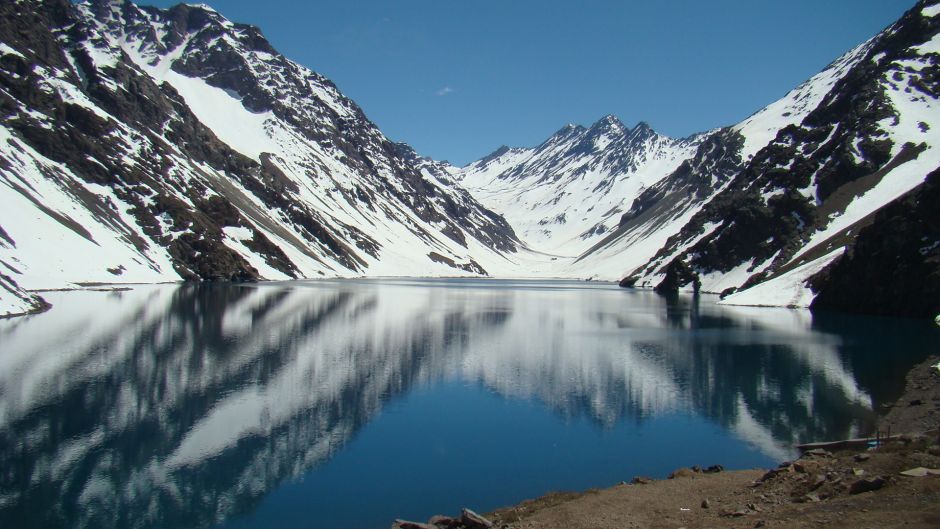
<point x="471" y="266"/>
<point x="893" y="267"/>
<point x="867" y="485"/>
<point x="678" y="274"/>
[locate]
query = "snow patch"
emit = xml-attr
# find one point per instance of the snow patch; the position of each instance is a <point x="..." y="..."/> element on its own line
<point x="241" y="129"/>
<point x="931" y="11"/>
<point x="7" y="50"/>
<point x="931" y="46"/>
<point x="786" y="290"/>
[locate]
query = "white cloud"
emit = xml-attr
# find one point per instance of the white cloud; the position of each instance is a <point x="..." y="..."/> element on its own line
<point x="444" y="91"/>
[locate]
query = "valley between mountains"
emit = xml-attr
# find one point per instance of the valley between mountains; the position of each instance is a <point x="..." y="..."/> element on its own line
<point x="140" y="144"/>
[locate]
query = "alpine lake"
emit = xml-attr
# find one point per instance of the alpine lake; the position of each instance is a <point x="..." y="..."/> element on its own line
<point x="349" y="403"/>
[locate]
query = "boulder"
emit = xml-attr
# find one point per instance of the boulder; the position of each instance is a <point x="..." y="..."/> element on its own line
<point x="472" y="520"/>
<point x="443" y="522"/>
<point x="682" y="473"/>
<point x="867" y="485"/>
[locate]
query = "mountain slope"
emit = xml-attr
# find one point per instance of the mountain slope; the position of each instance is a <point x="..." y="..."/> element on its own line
<point x="802" y="198"/>
<point x="167" y="144"/>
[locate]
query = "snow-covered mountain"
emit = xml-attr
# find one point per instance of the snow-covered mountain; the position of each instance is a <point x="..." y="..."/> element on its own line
<point x="759" y="207"/>
<point x="142" y="144"/>
<point x="139" y="144"/>
<point x="857" y="137"/>
<point x="564" y="195"/>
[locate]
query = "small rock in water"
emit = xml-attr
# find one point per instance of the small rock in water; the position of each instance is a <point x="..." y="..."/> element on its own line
<point x="472" y="520"/>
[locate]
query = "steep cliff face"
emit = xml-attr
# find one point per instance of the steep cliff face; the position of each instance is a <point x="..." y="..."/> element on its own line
<point x="893" y="266"/>
<point x="166" y="144"/>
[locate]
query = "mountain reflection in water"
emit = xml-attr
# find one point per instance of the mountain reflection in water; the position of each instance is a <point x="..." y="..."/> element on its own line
<point x="181" y="406"/>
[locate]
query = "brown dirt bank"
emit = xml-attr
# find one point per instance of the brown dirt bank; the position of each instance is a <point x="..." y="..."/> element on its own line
<point x="821" y="489"/>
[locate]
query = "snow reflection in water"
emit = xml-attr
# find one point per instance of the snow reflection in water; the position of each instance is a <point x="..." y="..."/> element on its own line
<point x="179" y="406"/>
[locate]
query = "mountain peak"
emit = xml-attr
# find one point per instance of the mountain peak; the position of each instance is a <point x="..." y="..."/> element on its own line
<point x="642" y="131"/>
<point x="608" y="122"/>
<point x="204" y="7"/>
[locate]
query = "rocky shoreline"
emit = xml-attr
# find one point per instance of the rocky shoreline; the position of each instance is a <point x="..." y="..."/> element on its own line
<point x="892" y="483"/>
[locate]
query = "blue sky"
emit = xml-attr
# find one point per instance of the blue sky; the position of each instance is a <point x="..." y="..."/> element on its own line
<point x="457" y="79"/>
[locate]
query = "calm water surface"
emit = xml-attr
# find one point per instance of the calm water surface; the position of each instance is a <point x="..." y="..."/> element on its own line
<point x="346" y="404"/>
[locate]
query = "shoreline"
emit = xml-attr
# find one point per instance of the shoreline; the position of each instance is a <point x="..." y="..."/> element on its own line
<point x="848" y="487"/>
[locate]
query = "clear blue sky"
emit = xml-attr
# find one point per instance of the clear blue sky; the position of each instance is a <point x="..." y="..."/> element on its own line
<point x="457" y="79"/>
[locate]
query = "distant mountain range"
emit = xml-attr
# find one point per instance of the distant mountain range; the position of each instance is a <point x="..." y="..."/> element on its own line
<point x="143" y="144"/>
